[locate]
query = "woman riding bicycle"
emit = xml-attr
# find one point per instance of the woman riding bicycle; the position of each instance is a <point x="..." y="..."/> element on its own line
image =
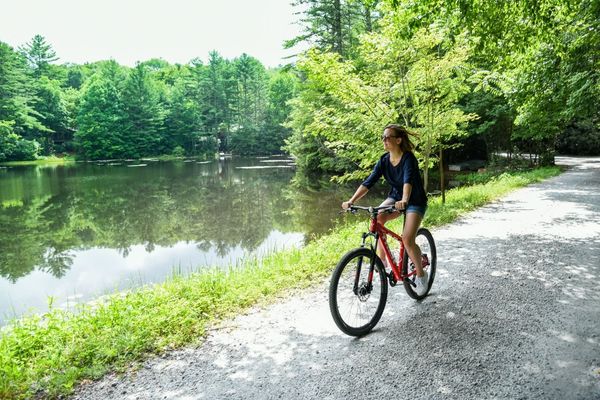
<point x="400" y="168"/>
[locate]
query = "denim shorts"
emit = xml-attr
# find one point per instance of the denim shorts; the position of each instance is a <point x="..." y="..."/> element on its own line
<point x="411" y="208"/>
<point x="417" y="209"/>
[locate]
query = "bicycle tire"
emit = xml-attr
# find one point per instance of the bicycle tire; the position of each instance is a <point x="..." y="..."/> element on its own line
<point x="424" y="238"/>
<point x="342" y="291"/>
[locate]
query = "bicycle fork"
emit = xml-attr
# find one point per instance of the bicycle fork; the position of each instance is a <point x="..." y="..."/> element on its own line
<point x="358" y="289"/>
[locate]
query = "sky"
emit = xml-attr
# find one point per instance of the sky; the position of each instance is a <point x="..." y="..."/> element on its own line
<point x="137" y="30"/>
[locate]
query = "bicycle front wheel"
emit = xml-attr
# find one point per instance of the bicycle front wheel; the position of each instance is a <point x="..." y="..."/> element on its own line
<point x="358" y="292"/>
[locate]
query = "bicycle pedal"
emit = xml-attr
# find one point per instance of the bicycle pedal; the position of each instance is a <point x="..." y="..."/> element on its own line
<point x="424" y="260"/>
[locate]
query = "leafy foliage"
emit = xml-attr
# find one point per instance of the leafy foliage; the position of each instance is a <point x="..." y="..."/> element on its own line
<point x="103" y="110"/>
<point x="100" y="117"/>
<point x="518" y="74"/>
<point x="418" y="80"/>
<point x="17" y="115"/>
<point x="39" y="55"/>
<point x="13" y="147"/>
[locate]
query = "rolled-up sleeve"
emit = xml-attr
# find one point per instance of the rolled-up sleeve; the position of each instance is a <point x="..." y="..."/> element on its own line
<point x="374" y="177"/>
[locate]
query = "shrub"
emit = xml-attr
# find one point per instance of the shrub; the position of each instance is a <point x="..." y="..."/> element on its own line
<point x="580" y="138"/>
<point x="178" y="151"/>
<point x="15" y="148"/>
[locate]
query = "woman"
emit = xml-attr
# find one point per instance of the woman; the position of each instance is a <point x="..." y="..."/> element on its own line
<point x="400" y="168"/>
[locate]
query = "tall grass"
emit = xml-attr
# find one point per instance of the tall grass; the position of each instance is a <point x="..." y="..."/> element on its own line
<point x="47" y="355"/>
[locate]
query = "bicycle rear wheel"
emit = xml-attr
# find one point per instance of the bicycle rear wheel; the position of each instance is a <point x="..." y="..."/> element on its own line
<point x="358" y="292"/>
<point x="424" y="240"/>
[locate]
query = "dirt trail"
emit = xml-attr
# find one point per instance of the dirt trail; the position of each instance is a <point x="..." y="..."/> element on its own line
<point x="514" y="313"/>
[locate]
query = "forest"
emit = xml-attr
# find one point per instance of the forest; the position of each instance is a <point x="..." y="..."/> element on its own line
<point x="469" y="78"/>
<point x="104" y="110"/>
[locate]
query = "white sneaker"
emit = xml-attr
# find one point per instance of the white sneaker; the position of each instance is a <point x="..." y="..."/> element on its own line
<point x="422" y="284"/>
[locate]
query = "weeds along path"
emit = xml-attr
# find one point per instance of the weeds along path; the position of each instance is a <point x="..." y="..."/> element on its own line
<point x="514" y="313"/>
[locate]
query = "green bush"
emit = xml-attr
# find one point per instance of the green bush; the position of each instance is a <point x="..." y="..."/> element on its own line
<point x="206" y="145"/>
<point x="15" y="148"/>
<point x="178" y="151"/>
<point x="580" y="138"/>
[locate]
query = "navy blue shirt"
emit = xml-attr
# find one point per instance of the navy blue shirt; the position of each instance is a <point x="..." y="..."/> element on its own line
<point x="407" y="171"/>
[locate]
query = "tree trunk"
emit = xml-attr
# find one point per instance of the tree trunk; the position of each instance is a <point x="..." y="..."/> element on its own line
<point x="426" y="172"/>
<point x="368" y="20"/>
<point x="337" y="27"/>
<point x="442" y="177"/>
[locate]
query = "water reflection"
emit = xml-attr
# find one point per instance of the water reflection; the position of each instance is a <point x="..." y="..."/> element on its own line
<point x="97" y="271"/>
<point x="82" y="229"/>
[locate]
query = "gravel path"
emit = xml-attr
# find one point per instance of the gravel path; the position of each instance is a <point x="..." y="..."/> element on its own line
<point x="514" y="314"/>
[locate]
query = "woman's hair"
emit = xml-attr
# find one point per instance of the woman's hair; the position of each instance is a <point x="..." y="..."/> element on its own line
<point x="399" y="131"/>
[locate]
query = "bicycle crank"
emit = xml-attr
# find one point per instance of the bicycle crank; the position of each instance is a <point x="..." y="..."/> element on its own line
<point x="393" y="282"/>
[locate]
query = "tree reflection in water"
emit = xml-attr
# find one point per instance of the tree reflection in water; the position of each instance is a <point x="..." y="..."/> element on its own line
<point x="48" y="215"/>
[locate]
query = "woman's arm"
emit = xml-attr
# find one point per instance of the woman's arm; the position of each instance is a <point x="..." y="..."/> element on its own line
<point x="365" y="186"/>
<point x="406" y="191"/>
<point x="360" y="192"/>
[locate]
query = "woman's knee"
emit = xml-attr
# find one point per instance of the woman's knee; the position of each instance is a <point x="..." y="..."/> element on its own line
<point x="409" y="242"/>
<point x="382" y="218"/>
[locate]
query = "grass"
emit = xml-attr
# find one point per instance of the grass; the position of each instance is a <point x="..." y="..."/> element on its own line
<point x="48" y="355"/>
<point x="42" y="161"/>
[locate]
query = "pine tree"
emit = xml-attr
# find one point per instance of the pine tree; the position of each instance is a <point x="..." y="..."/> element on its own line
<point x="100" y="118"/>
<point x="39" y="55"/>
<point x="143" y="114"/>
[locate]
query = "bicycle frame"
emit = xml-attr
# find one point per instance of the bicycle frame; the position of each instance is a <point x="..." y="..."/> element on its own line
<point x="380" y="233"/>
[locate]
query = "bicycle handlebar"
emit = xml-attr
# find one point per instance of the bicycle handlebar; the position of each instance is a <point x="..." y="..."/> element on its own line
<point x="373" y="210"/>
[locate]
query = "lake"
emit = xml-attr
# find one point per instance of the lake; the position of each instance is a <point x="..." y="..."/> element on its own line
<point x="71" y="233"/>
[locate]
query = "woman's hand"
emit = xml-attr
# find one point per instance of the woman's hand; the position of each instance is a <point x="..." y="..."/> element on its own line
<point x="400" y="204"/>
<point x="346" y="205"/>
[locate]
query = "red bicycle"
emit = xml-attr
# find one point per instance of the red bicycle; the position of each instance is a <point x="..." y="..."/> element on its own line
<point x="359" y="283"/>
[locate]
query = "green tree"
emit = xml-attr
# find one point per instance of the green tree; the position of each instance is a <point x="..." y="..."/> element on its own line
<point x="281" y="89"/>
<point x="100" y="118"/>
<point x="218" y="87"/>
<point x="143" y="115"/>
<point x="327" y="134"/>
<point x="334" y="25"/>
<point x="75" y="76"/>
<point x="184" y="123"/>
<point x="544" y="53"/>
<point x="13" y="147"/>
<point x="557" y="80"/>
<point x="39" y="55"/>
<point x="418" y="80"/>
<point x="52" y="107"/>
<point x="435" y="83"/>
<point x="17" y="115"/>
<point x="248" y="135"/>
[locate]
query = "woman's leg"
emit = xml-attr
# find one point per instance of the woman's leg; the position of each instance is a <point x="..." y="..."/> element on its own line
<point x="411" y="225"/>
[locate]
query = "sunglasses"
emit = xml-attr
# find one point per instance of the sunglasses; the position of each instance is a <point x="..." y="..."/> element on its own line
<point x="387" y="137"/>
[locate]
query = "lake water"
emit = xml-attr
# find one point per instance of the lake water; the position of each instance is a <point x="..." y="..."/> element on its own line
<point x="76" y="232"/>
